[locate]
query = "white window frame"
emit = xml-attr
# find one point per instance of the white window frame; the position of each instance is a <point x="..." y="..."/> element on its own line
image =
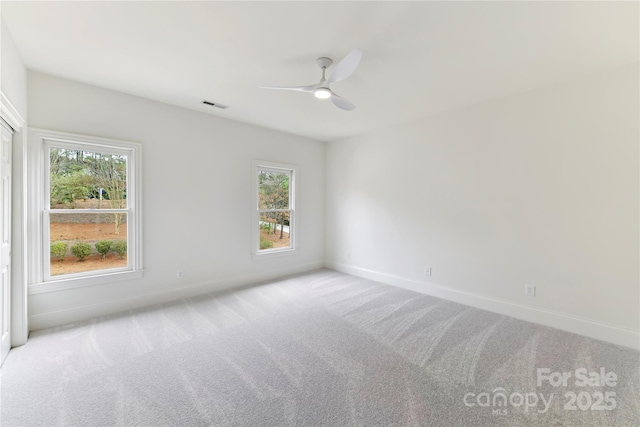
<point x="40" y="141"/>
<point x="256" y="166"/>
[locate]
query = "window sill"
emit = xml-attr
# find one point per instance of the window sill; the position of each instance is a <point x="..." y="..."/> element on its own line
<point x="274" y="253"/>
<point x="82" y="282"/>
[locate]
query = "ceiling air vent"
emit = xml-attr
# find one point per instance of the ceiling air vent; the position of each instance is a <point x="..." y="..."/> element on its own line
<point x="215" y="104"/>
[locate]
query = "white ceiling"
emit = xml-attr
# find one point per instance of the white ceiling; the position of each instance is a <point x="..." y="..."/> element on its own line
<point x="420" y="58"/>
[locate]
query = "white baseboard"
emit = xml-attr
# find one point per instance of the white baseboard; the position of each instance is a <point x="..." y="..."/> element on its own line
<point x="102" y="308"/>
<point x="576" y="325"/>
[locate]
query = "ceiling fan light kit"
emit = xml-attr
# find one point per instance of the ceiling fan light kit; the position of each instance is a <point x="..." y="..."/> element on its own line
<point x="322" y="89"/>
<point x="322" y="93"/>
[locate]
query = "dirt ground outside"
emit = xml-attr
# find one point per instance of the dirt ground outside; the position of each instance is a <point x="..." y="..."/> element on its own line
<point x="70" y="264"/>
<point x="86" y="232"/>
<point x="89" y="233"/>
<point x="275" y="238"/>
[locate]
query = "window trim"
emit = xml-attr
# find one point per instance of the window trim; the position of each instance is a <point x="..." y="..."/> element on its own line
<point x="256" y="166"/>
<point x="40" y="140"/>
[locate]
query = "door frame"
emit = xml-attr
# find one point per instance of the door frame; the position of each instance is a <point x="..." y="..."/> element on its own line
<point x="19" y="314"/>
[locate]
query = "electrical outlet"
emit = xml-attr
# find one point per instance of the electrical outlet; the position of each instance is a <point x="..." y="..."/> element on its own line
<point x="180" y="274"/>
<point x="530" y="290"/>
<point x="427" y="270"/>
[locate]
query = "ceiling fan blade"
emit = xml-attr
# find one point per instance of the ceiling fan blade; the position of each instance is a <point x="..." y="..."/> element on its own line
<point x="346" y="67"/>
<point x="308" y="88"/>
<point x="342" y="103"/>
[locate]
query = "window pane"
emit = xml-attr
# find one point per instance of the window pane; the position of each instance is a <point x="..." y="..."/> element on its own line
<point x="87" y="180"/>
<point x="275" y="230"/>
<point x="273" y="190"/>
<point x="87" y="242"/>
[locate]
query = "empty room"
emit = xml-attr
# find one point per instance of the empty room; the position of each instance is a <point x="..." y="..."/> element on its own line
<point x="235" y="213"/>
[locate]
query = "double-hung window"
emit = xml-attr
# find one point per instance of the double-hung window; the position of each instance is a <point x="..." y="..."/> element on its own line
<point x="274" y="208"/>
<point x="89" y="208"/>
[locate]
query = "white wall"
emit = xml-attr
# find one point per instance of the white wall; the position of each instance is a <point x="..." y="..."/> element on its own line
<point x="539" y="188"/>
<point x="13" y="84"/>
<point x="196" y="196"/>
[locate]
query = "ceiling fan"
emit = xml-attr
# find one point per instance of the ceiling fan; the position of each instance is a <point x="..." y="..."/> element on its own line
<point x="321" y="90"/>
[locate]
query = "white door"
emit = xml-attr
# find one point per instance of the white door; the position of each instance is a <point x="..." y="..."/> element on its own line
<point x="5" y="239"/>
